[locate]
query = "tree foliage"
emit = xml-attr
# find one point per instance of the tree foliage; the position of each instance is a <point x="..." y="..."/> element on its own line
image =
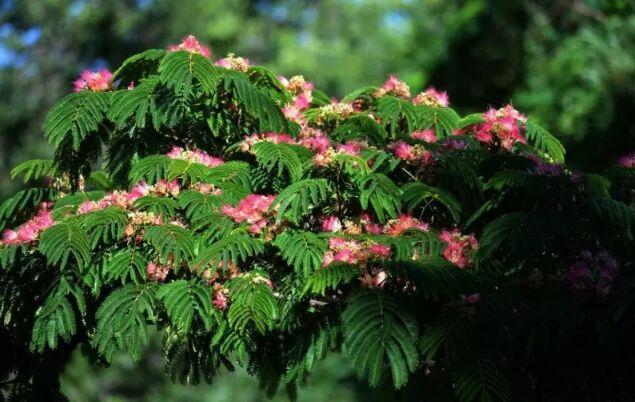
<point x="255" y="222"/>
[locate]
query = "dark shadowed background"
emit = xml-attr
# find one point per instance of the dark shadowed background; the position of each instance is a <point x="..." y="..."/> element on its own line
<point x="568" y="63"/>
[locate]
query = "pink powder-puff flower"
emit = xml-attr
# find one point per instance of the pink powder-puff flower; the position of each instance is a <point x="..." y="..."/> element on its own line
<point x="294" y="114"/>
<point x="164" y="187"/>
<point x="96" y="81"/>
<point x="346" y="256"/>
<point x="505" y="124"/>
<point x="139" y="190"/>
<point x="192" y="45"/>
<point x="402" y="150"/>
<point x="331" y="224"/>
<point x="252" y="209"/>
<point x="425" y="135"/>
<point x="380" y="250"/>
<point x="373" y="228"/>
<point x="27" y="233"/>
<point x="328" y="258"/>
<point x="302" y="101"/>
<point x="459" y="247"/>
<point x="258" y="226"/>
<point x="404" y="223"/>
<point x="318" y="143"/>
<point x="627" y="161"/>
<point x="297" y="84"/>
<point x="175" y="153"/>
<point x="9" y="237"/>
<point x="234" y="63"/>
<point x="336" y="242"/>
<point x="43" y="220"/>
<point x="351" y="148"/>
<point x="220" y="297"/>
<point x="393" y="86"/>
<point x="472" y="299"/>
<point x="432" y="97"/>
<point x="157" y="272"/>
<point x="578" y="275"/>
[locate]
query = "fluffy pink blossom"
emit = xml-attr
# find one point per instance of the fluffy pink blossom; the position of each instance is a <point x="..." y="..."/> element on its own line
<point x="31" y="229"/>
<point x="379" y="250"/>
<point x="192" y="45"/>
<point x="368" y="224"/>
<point x="405" y="222"/>
<point x="250" y="140"/>
<point x="432" y="97"/>
<point x="353" y="251"/>
<point x="506" y="125"/>
<point x="627" y="160"/>
<point x="595" y="272"/>
<point x="331" y="224"/>
<point x="164" y="187"/>
<point x="425" y="135"/>
<point x="9" y="237"/>
<point x="97" y="81"/>
<point x="296" y="84"/>
<point x="252" y="209"/>
<point x="302" y="101"/>
<point x="402" y="150"/>
<point x="393" y="86"/>
<point x="234" y="63"/>
<point x="195" y="155"/>
<point x="294" y="114"/>
<point x="458" y="248"/>
<point x="411" y="153"/>
<point x="220" y="297"/>
<point x="157" y="272"/>
<point x="318" y="143"/>
<point x="351" y="148"/>
<point x="472" y="299"/>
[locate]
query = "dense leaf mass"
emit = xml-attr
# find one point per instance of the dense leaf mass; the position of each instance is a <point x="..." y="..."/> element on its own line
<point x="257" y="222"/>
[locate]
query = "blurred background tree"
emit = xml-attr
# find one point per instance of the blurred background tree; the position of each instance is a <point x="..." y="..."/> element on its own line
<point x="545" y="56"/>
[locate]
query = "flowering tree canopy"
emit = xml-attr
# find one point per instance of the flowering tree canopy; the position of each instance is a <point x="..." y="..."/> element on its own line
<point x="257" y="222"/>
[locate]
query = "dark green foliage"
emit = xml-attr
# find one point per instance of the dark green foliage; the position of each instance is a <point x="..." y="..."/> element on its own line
<point x="378" y="331"/>
<point x="445" y="272"/>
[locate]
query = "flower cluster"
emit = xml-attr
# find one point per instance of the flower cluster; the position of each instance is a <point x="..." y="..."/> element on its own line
<point x="138" y="220"/>
<point x="277" y="138"/>
<point x="157" y="272"/>
<point x="594" y="272"/>
<point x="459" y="247"/>
<point x="301" y="90"/>
<point x="314" y="139"/>
<point x="353" y="251"/>
<point x="334" y="111"/>
<point x="327" y="156"/>
<point x="506" y="125"/>
<point x="234" y="63"/>
<point x="432" y="97"/>
<point x="393" y="86"/>
<point x="253" y="209"/>
<point x="30" y="230"/>
<point x="365" y="224"/>
<point x="192" y="45"/>
<point x="221" y="294"/>
<point x="411" y="153"/>
<point x="543" y="168"/>
<point x="424" y="135"/>
<point x="96" y="81"/>
<point x="404" y="222"/>
<point x="195" y="155"/>
<point x="627" y="160"/>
